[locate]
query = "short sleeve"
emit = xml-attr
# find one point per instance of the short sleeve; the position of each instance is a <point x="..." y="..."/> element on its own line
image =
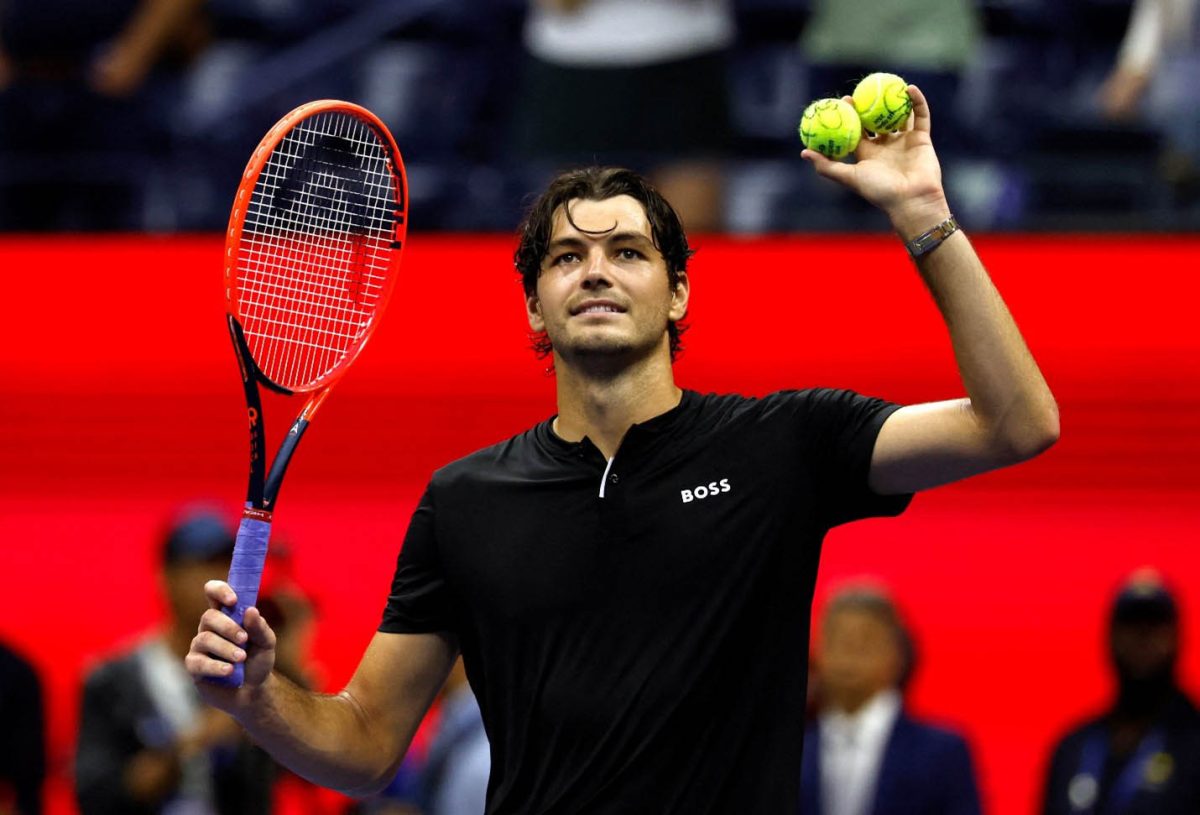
<point x="419" y="602"/>
<point x="838" y="431"/>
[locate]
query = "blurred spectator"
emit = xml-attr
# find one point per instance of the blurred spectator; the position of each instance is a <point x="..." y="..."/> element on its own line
<point x="402" y="796"/>
<point x="1155" y="74"/>
<point x="1142" y="755"/>
<point x="146" y="742"/>
<point x="111" y="46"/>
<point x="22" y="736"/>
<point x="86" y="93"/>
<point x="634" y="82"/>
<point x="928" y="42"/>
<point x="459" y="762"/>
<point x="864" y="755"/>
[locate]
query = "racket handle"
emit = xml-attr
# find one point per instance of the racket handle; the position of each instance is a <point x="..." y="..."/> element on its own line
<point x="245" y="574"/>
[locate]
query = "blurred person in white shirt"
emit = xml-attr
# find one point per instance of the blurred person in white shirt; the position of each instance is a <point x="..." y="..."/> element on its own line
<point x="864" y="754"/>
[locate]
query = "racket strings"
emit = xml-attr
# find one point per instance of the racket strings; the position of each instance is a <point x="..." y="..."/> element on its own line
<point x="316" y="248"/>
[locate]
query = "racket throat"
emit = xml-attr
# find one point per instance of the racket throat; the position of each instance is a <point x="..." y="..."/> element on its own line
<point x="279" y="467"/>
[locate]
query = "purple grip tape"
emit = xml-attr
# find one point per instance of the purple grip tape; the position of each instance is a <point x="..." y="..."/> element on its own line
<point x="245" y="573"/>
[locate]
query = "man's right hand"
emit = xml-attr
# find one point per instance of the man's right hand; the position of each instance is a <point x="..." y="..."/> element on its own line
<point x="220" y="642"/>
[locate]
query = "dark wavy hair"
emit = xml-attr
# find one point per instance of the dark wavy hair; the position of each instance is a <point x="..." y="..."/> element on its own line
<point x="598" y="184"/>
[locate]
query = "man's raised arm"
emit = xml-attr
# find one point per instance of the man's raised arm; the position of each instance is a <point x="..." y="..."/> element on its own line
<point x="1009" y="414"/>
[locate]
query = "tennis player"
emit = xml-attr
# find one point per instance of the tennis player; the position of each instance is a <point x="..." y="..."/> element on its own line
<point x="630" y="582"/>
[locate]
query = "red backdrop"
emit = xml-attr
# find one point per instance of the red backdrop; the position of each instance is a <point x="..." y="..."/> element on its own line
<point x="120" y="402"/>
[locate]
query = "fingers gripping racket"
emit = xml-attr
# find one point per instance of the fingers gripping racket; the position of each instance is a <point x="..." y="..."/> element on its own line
<point x="311" y="257"/>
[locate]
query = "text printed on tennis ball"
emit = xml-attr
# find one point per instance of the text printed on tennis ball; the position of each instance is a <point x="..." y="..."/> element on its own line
<point x="831" y="127"/>
<point x="882" y="102"/>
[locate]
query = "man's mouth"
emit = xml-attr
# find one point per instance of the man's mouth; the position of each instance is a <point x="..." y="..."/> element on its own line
<point x="597" y="307"/>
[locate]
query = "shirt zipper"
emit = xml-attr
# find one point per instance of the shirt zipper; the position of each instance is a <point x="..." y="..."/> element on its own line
<point x="604" y="478"/>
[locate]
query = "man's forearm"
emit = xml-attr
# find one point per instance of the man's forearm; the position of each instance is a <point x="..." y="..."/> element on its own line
<point x="1008" y="394"/>
<point x="327" y="739"/>
<point x="352" y="741"/>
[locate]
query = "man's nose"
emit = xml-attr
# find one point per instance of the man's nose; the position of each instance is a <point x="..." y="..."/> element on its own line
<point x="596" y="271"/>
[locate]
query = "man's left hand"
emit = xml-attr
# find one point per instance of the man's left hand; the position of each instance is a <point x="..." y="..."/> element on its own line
<point x="897" y="172"/>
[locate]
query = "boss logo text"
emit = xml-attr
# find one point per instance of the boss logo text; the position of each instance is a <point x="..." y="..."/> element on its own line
<point x="705" y="491"/>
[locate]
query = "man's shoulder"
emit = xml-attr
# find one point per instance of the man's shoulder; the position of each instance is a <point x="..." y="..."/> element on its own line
<point x="809" y="408"/>
<point x="932" y="736"/>
<point x="1072" y="738"/>
<point x="15" y="669"/>
<point x="536" y="450"/>
<point x="118" y="672"/>
<point x="525" y="449"/>
<point x="922" y="749"/>
<point x="786" y="398"/>
<point x="1183" y="708"/>
<point x="721" y="407"/>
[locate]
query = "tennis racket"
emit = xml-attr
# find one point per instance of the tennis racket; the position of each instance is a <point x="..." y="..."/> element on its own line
<point x="311" y="257"/>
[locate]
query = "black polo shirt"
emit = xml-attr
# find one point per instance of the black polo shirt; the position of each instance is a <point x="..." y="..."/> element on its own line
<point x="636" y="631"/>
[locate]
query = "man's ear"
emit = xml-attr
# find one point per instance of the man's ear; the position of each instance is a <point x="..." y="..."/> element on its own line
<point x="533" y="310"/>
<point x="679" y="298"/>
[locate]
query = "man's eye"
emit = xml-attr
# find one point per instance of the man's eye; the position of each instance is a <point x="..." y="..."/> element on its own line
<point x="565" y="257"/>
<point x="630" y="254"/>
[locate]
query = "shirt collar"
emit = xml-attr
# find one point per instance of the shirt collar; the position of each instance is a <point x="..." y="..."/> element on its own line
<point x="662" y="423"/>
<point x="872" y="720"/>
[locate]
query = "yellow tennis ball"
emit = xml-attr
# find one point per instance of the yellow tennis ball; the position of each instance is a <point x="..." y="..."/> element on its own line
<point x="831" y="127"/>
<point x="882" y="102"/>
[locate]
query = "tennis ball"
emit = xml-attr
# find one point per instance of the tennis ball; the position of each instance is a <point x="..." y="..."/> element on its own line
<point x="831" y="127"/>
<point x="882" y="102"/>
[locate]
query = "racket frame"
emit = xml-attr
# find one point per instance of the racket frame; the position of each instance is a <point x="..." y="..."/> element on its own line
<point x="263" y="484"/>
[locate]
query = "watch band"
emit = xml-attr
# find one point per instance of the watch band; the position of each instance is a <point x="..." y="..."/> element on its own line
<point x="929" y="240"/>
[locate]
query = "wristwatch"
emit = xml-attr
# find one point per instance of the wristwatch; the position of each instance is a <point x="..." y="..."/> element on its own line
<point x="931" y="239"/>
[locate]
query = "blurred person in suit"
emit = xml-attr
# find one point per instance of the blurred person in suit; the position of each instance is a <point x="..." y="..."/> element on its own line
<point x="634" y="82"/>
<point x="1141" y="756"/>
<point x="147" y="744"/>
<point x="22" y="736"/>
<point x="455" y="776"/>
<point x="864" y="754"/>
<point x="1155" y="76"/>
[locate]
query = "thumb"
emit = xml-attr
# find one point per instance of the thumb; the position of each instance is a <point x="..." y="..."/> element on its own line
<point x="259" y="633"/>
<point x="260" y="651"/>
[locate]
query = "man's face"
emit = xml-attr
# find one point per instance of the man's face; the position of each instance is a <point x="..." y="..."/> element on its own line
<point x="603" y="290"/>
<point x="184" y="582"/>
<point x="1144" y="651"/>
<point x="859" y="657"/>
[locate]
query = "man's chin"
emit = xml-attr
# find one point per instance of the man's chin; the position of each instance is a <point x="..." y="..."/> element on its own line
<point x="601" y="348"/>
<point x="607" y="348"/>
<point x="607" y="352"/>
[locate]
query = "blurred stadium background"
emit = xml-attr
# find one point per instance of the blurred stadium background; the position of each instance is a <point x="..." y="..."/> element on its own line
<point x="120" y="401"/>
<point x="442" y="74"/>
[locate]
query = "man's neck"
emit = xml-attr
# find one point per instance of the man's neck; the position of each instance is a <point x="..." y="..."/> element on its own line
<point x="603" y="407"/>
<point x="854" y="704"/>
